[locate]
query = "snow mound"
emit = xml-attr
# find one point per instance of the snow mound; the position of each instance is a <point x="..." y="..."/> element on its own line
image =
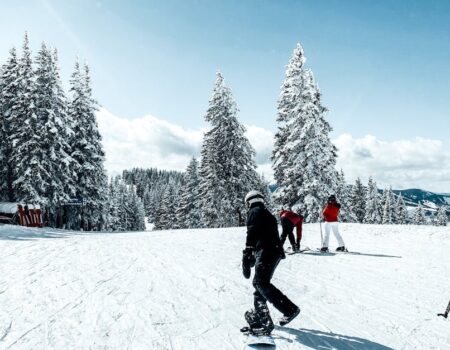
<point x="184" y="290"/>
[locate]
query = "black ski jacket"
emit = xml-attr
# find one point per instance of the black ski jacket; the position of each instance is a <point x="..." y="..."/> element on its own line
<point x="262" y="231"/>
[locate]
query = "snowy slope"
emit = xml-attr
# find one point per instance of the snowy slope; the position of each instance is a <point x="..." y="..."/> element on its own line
<point x="184" y="290"/>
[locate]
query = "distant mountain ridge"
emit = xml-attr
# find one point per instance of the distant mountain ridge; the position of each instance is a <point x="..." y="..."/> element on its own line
<point x="428" y="199"/>
<point x="413" y="196"/>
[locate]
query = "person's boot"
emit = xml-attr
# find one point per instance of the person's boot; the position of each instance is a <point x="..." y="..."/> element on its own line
<point x="324" y="250"/>
<point x="294" y="248"/>
<point x="263" y="313"/>
<point x="445" y="315"/>
<point x="341" y="249"/>
<point x="260" y="323"/>
<point x="288" y="318"/>
<point x="297" y="246"/>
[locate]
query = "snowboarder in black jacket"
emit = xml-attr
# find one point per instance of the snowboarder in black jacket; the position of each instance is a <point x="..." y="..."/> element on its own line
<point x="264" y="251"/>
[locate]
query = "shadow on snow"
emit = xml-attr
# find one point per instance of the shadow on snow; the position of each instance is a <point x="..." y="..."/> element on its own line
<point x="325" y="340"/>
<point x="317" y="253"/>
<point x="19" y="233"/>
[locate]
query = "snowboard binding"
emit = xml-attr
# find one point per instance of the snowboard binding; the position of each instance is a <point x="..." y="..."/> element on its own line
<point x="259" y="323"/>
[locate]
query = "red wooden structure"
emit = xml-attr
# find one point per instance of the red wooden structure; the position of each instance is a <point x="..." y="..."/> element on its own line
<point x="21" y="214"/>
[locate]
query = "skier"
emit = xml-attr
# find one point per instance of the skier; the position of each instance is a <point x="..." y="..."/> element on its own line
<point x="445" y="314"/>
<point x="289" y="220"/>
<point x="330" y="215"/>
<point x="264" y="251"/>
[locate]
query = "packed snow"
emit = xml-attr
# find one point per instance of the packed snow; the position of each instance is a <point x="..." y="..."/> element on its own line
<point x="184" y="289"/>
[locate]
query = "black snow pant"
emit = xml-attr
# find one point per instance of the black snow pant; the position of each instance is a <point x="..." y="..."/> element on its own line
<point x="264" y="290"/>
<point x="288" y="230"/>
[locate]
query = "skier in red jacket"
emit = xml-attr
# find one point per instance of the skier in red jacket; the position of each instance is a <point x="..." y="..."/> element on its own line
<point x="289" y="220"/>
<point x="330" y="215"/>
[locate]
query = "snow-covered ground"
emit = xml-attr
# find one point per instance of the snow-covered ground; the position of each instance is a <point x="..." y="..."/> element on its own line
<point x="184" y="290"/>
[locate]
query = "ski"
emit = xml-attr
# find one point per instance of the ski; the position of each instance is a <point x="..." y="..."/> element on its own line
<point x="291" y="252"/>
<point x="333" y="251"/>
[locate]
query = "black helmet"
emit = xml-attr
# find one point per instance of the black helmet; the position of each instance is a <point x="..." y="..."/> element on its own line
<point x="332" y="198"/>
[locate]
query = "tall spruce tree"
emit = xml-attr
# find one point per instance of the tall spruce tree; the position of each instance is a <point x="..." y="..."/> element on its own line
<point x="372" y="209"/>
<point x="51" y="111"/>
<point x="441" y="218"/>
<point x="137" y="215"/>
<point x="166" y="219"/>
<point x="289" y="106"/>
<point x="389" y="215"/>
<point x="65" y="128"/>
<point x="188" y="211"/>
<point x="87" y="151"/>
<point x="267" y="193"/>
<point x="401" y="213"/>
<point x="9" y="94"/>
<point x="303" y="157"/>
<point x="357" y="202"/>
<point x="113" y="205"/>
<point x="29" y="176"/>
<point x="419" y="215"/>
<point x="227" y="169"/>
<point x="343" y="192"/>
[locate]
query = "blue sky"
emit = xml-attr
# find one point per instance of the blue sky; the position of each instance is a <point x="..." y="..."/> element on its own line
<point x="382" y="66"/>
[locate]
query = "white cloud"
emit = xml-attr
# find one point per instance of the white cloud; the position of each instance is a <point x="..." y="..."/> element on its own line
<point x="146" y="142"/>
<point x="153" y="142"/>
<point x="417" y="163"/>
<point x="262" y="141"/>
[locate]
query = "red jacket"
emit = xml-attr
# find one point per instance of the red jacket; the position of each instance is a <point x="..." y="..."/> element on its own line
<point x="331" y="212"/>
<point x="297" y="220"/>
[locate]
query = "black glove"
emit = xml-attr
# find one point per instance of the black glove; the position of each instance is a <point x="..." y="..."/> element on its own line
<point x="248" y="261"/>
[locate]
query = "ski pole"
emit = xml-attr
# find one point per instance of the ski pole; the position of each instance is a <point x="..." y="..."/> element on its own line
<point x="321" y="236"/>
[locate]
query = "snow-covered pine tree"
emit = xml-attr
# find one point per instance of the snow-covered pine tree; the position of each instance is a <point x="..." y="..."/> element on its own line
<point x="87" y="150"/>
<point x="419" y="215"/>
<point x="358" y="201"/>
<point x="289" y="105"/>
<point x="187" y="208"/>
<point x="149" y="203"/>
<point x="227" y="170"/>
<point x="303" y="157"/>
<point x="66" y="129"/>
<point x="113" y="205"/>
<point x="51" y="112"/>
<point x="124" y="205"/>
<point x="343" y="197"/>
<point x="209" y="184"/>
<point x="30" y="177"/>
<point x="441" y="218"/>
<point x="372" y="211"/>
<point x="393" y="200"/>
<point x="140" y="214"/>
<point x="401" y="213"/>
<point x="136" y="220"/>
<point x="158" y="219"/>
<point x="9" y="93"/>
<point x="389" y="216"/>
<point x="166" y="219"/>
<point x="267" y="193"/>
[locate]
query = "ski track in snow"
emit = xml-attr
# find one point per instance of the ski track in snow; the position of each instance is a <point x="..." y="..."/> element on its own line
<point x="184" y="290"/>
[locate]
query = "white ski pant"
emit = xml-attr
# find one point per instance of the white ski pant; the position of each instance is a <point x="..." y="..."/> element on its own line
<point x="332" y="226"/>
